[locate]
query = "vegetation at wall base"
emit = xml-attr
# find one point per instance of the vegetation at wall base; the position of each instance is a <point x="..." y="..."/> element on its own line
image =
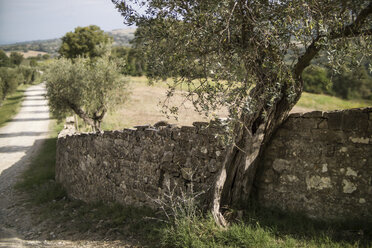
<point x="11" y="105"/>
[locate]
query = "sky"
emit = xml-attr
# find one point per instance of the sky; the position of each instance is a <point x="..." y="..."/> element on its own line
<point x="27" y="20"/>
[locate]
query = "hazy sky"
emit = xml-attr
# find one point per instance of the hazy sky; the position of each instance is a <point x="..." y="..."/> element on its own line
<point x="26" y="20"/>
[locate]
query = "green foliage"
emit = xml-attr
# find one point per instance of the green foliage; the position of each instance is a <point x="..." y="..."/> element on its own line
<point x="348" y="82"/>
<point x="11" y="104"/>
<point x="4" y="60"/>
<point x="10" y="80"/>
<point x="84" y="42"/>
<point x="258" y="231"/>
<point x="29" y="74"/>
<point x="352" y="83"/>
<point x="33" y="62"/>
<point x="134" y="60"/>
<point x="316" y="80"/>
<point x="87" y="87"/>
<point x="222" y="49"/>
<point x="16" y="58"/>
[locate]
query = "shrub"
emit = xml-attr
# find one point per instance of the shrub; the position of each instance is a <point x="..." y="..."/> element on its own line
<point x="10" y="80"/>
<point x="316" y="80"/>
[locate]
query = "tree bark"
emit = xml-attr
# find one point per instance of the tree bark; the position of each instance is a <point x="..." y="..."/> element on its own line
<point x="235" y="179"/>
<point x="95" y="121"/>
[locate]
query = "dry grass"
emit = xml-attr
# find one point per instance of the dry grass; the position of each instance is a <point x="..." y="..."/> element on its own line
<point x="29" y="53"/>
<point x="143" y="106"/>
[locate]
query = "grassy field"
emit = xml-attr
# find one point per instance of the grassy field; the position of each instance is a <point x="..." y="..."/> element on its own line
<point x="12" y="104"/>
<point x="327" y="103"/>
<point x="144" y="106"/>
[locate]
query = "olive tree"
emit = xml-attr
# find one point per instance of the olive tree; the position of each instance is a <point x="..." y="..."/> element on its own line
<point x="246" y="55"/>
<point x="86" y="87"/>
<point x="84" y="42"/>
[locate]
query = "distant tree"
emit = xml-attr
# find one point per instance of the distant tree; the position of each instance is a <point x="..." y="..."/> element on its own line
<point x="316" y="80"/>
<point x="33" y="62"/>
<point x="352" y="83"/>
<point x="16" y="58"/>
<point x="10" y="80"/>
<point x="46" y="56"/>
<point x="86" y="87"/>
<point x="242" y="48"/>
<point x="84" y="42"/>
<point x="4" y="59"/>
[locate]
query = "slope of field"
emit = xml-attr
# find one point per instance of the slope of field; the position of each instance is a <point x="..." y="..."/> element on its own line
<point x="143" y="106"/>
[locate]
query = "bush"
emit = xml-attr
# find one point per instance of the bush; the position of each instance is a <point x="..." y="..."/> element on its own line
<point x="10" y="80"/>
<point x="316" y="80"/>
<point x="29" y="74"/>
<point x="353" y="83"/>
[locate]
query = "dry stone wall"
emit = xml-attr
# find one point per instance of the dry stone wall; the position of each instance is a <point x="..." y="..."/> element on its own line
<point x="138" y="166"/>
<point x="321" y="164"/>
<point x="317" y="163"/>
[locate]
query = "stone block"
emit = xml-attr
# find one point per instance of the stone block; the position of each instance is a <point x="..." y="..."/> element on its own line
<point x="313" y="114"/>
<point x="334" y="120"/>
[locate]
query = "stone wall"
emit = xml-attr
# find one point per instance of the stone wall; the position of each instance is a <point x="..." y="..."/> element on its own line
<point x="317" y="163"/>
<point x="137" y="166"/>
<point x="321" y="164"/>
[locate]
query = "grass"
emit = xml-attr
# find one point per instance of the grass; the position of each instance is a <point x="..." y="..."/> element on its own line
<point x="327" y="103"/>
<point x="262" y="227"/>
<point x="143" y="106"/>
<point x="38" y="181"/>
<point x="11" y="105"/>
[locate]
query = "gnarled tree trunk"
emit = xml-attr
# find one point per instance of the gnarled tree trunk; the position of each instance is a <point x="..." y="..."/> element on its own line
<point x="234" y="182"/>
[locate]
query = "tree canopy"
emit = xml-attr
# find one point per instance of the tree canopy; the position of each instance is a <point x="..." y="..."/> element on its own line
<point x="84" y="86"/>
<point x="248" y="56"/>
<point x="84" y="42"/>
<point x="16" y="58"/>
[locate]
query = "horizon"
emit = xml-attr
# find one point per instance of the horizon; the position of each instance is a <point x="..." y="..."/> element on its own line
<point x="38" y="40"/>
<point x="23" y="21"/>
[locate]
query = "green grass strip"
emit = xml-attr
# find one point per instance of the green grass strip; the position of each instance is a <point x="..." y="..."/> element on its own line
<point x="12" y="104"/>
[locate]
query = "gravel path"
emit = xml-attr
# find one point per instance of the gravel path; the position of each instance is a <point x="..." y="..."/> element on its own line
<point x="21" y="223"/>
<point x="20" y="140"/>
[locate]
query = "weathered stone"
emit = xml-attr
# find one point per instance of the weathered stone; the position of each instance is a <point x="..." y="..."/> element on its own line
<point x="167" y="157"/>
<point x="313" y="114"/>
<point x="280" y="164"/>
<point x="348" y="187"/>
<point x="351" y="172"/>
<point x="323" y="124"/>
<point x="360" y="140"/>
<point x="334" y="120"/>
<point x="317" y="182"/>
<point x="316" y="164"/>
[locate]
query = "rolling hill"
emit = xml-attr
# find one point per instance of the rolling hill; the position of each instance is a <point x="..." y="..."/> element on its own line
<point x="122" y="37"/>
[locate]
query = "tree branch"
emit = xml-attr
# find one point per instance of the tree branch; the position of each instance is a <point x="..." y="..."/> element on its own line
<point x="81" y="113"/>
<point x="351" y="30"/>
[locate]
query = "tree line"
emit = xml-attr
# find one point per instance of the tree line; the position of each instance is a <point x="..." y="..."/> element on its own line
<point x="15" y="71"/>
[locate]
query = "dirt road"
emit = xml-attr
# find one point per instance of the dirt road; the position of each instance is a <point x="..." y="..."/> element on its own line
<point x="20" y="139"/>
<point x="21" y="223"/>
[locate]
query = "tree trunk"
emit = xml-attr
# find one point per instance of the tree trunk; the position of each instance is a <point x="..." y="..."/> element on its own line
<point x="235" y="179"/>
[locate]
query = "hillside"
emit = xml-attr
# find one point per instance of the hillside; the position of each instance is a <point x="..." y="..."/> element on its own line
<point x="122" y="37"/>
